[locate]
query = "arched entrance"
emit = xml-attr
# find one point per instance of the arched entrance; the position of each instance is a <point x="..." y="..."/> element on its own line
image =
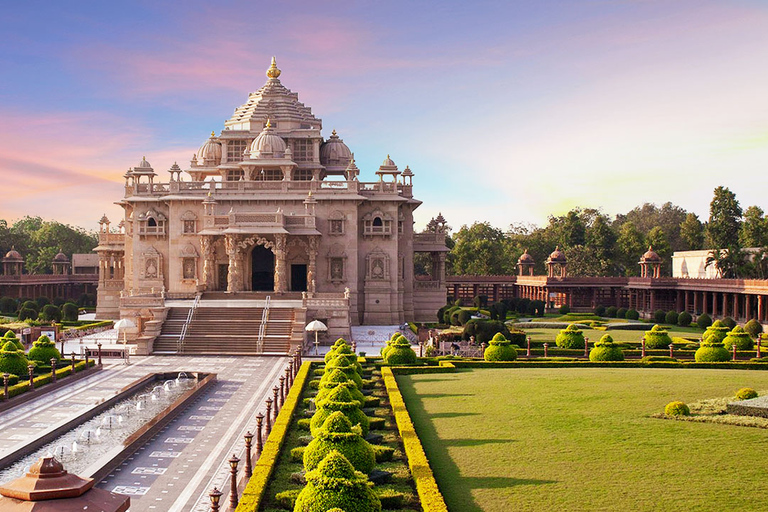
<point x="262" y="269"/>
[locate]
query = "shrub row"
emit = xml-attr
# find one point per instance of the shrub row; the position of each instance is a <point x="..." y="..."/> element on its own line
<point x="22" y="385"/>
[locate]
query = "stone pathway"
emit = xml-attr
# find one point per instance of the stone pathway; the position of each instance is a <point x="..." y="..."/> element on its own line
<point x="176" y="469"/>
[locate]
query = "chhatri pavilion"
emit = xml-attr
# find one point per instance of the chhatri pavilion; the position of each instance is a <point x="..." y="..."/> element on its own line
<point x="268" y="207"/>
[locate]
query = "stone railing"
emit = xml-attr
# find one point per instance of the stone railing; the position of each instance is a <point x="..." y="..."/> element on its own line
<point x="429" y="286"/>
<point x="143" y="301"/>
<point x="326" y="300"/>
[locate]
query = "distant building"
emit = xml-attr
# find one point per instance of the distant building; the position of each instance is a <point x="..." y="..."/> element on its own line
<point x="67" y="281"/>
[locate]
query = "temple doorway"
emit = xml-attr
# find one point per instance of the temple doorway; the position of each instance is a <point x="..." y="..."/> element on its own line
<point x="299" y="278"/>
<point x="262" y="269"/>
<point x="223" y="274"/>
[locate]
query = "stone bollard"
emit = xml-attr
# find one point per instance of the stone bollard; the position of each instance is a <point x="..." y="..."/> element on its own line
<point x="546" y="350"/>
<point x="672" y="350"/>
<point x="53" y="369"/>
<point x="586" y="347"/>
<point x="528" y="352"/>
<point x="31" y="370"/>
<point x="275" y="403"/>
<point x="282" y="391"/>
<point x="73" y="363"/>
<point x="734" y="351"/>
<point x="99" y="347"/>
<point x="758" y="346"/>
<point x="6" y="376"/>
<point x="643" y="343"/>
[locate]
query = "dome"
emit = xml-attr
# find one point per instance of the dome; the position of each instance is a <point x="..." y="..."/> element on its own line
<point x="268" y="144"/>
<point x="526" y="258"/>
<point x="557" y="256"/>
<point x="144" y="164"/>
<point x="334" y="154"/>
<point x="388" y="162"/>
<point x="650" y="256"/>
<point x="13" y="255"/>
<point x="143" y="168"/>
<point x="209" y="154"/>
<point x="61" y="257"/>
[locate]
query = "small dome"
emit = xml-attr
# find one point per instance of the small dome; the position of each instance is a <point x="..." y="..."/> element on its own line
<point x="268" y="144"/>
<point x="13" y="255"/>
<point x="407" y="171"/>
<point x="209" y="154"/>
<point x="144" y="164"/>
<point x="61" y="257"/>
<point x="650" y="256"/>
<point x="557" y="256"/>
<point x="144" y="168"/>
<point x="104" y="219"/>
<point x="526" y="258"/>
<point x="334" y="153"/>
<point x="388" y="162"/>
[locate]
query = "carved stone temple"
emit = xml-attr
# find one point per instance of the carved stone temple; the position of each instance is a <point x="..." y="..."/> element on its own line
<point x="268" y="207"/>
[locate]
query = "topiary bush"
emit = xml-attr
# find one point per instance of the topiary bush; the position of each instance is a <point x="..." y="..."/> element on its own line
<point x="11" y="336"/>
<point x="659" y="316"/>
<point x="606" y="350"/>
<point x="564" y="309"/>
<point x="657" y="338"/>
<point x="746" y="394"/>
<point x="684" y="319"/>
<point x="330" y="380"/>
<point x="8" y="305"/>
<point x="339" y="399"/>
<point x="632" y="314"/>
<point x="621" y="313"/>
<point x="729" y="322"/>
<point x="718" y="330"/>
<point x="570" y="337"/>
<point x="400" y="352"/>
<point x="50" y="313"/>
<point x="464" y="316"/>
<point x="337" y="434"/>
<point x="336" y="484"/>
<point x="599" y="311"/>
<point x="441" y="314"/>
<point x="27" y="314"/>
<point x="339" y="347"/>
<point x="455" y="317"/>
<point x="677" y="409"/>
<point x="13" y="360"/>
<point x="611" y="311"/>
<point x="500" y="349"/>
<point x="43" y="350"/>
<point x="739" y="337"/>
<point x="42" y="302"/>
<point x="484" y="330"/>
<point x="704" y="321"/>
<point x="754" y="328"/>
<point x="711" y="351"/>
<point x="70" y="312"/>
<point x="341" y="362"/>
<point x="671" y="318"/>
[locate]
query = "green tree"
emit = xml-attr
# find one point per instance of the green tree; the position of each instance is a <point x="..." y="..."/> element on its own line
<point x="724" y="220"/>
<point x="754" y="229"/>
<point x="601" y="241"/>
<point x="691" y="233"/>
<point x="631" y="246"/>
<point x="668" y="217"/>
<point x="480" y="249"/>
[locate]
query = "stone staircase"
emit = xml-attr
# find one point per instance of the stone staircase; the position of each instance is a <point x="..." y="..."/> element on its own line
<point x="228" y="331"/>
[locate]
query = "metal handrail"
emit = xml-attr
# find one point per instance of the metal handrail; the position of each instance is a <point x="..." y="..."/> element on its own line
<point x="263" y="327"/>
<point x="185" y="327"/>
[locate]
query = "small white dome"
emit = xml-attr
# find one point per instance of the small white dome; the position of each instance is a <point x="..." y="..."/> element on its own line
<point x="334" y="154"/>
<point x="268" y="144"/>
<point x="209" y="154"/>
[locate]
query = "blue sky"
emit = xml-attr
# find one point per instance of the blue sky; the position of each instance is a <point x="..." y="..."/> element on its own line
<point x="506" y="111"/>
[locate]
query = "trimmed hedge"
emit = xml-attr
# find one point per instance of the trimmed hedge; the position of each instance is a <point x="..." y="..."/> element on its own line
<point x="253" y="494"/>
<point x="746" y="394"/>
<point x="657" y="338"/>
<point x="606" y="350"/>
<point x="740" y="338"/>
<point x="337" y="434"/>
<point x="500" y="350"/>
<point x="429" y="494"/>
<point x="570" y="337"/>
<point x="677" y="409"/>
<point x="43" y="350"/>
<point x="336" y="484"/>
<point x="22" y="384"/>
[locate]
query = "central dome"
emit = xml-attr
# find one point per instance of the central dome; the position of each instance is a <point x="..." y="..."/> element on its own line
<point x="268" y="144"/>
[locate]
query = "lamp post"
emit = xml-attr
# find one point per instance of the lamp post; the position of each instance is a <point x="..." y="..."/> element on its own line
<point x="643" y="342"/>
<point x="259" y="442"/>
<point x="289" y="372"/>
<point x="73" y="363"/>
<point x="6" y="376"/>
<point x="31" y="370"/>
<point x="53" y="369"/>
<point x="528" y="352"/>
<point x="275" y="391"/>
<point x="98" y="345"/>
<point x="282" y="390"/>
<point x="269" y="415"/>
<point x="586" y="346"/>
<point x="248" y="439"/>
<point x="215" y="496"/>
<point x="287" y="380"/>
<point x="233" y="481"/>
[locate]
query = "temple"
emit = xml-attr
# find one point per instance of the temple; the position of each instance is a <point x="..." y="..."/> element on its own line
<point x="268" y="210"/>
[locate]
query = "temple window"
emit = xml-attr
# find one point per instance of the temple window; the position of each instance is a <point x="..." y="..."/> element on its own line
<point x="152" y="223"/>
<point x="336" y="269"/>
<point x="189" y="268"/>
<point x="235" y="149"/>
<point x="302" y="175"/>
<point x="336" y="226"/>
<point x="235" y="174"/>
<point x="189" y="227"/>
<point x="303" y="150"/>
<point x="377" y="223"/>
<point x="269" y="175"/>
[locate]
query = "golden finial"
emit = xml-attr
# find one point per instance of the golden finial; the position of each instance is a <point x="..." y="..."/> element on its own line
<point x="143" y="159"/>
<point x="269" y="123"/>
<point x="333" y="133"/>
<point x="273" y="71"/>
<point x="310" y="194"/>
<point x="213" y="133"/>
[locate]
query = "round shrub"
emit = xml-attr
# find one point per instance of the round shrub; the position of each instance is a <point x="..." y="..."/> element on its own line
<point x="671" y="318"/>
<point x="339" y="399"/>
<point x="342" y="363"/>
<point x="8" y="305"/>
<point x="336" y="434"/>
<point x="464" y="316"/>
<point x="611" y="311"/>
<point x="500" y="349"/>
<point x="13" y="360"/>
<point x="621" y="313"/>
<point x="606" y="350"/>
<point x="391" y="340"/>
<point x="677" y="409"/>
<point x="336" y="484"/>
<point x="441" y="314"/>
<point x="659" y="316"/>
<point x="339" y="347"/>
<point x="70" y="312"/>
<point x="570" y="337"/>
<point x="599" y="311"/>
<point x="484" y="330"/>
<point x="704" y="321"/>
<point x="564" y="309"/>
<point x="400" y="352"/>
<point x="332" y="379"/>
<point x="50" y="313"/>
<point x="746" y="394"/>
<point x="27" y="314"/>
<point x="43" y="350"/>
<point x="684" y="319"/>
<point x="711" y="351"/>
<point x="718" y="330"/>
<point x="632" y="314"/>
<point x="11" y="336"/>
<point x="59" y="301"/>
<point x="30" y="304"/>
<point x="754" y="328"/>
<point x="729" y="322"/>
<point x="657" y="338"/>
<point x="455" y="317"/>
<point x="42" y="302"/>
<point x="740" y="338"/>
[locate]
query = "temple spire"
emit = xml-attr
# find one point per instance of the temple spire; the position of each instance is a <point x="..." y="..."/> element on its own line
<point x="273" y="71"/>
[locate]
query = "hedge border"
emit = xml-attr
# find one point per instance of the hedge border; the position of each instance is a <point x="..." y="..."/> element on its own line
<point x="429" y="494"/>
<point x="41" y="380"/>
<point x="254" y="491"/>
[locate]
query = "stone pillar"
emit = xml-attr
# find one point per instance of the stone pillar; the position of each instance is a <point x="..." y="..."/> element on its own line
<point x="736" y="306"/>
<point x="714" y="304"/>
<point x="207" y="245"/>
<point x="281" y="279"/>
<point x="725" y="305"/>
<point x="312" y="267"/>
<point x="760" y="314"/>
<point x="234" y="275"/>
<point x="696" y="302"/>
<point x="747" y="307"/>
<point x="441" y="267"/>
<point x="679" y="300"/>
<point x="653" y="301"/>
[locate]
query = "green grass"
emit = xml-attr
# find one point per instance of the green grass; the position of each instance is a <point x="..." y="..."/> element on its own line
<point x="583" y="439"/>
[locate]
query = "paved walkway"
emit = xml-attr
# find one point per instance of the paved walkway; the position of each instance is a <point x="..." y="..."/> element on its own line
<point x="178" y="467"/>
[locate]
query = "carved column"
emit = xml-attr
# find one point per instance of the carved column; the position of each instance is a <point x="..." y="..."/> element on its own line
<point x="441" y="267"/>
<point x="280" y="266"/>
<point x="312" y="267"/>
<point x="234" y="276"/>
<point x="207" y="245"/>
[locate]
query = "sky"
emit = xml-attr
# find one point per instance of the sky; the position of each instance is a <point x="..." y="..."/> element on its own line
<point x="506" y="111"/>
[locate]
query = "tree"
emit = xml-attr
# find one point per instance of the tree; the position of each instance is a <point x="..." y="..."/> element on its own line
<point x="658" y="240"/>
<point x="667" y="217"/>
<point x="480" y="249"/>
<point x="631" y="246"/>
<point x="601" y="241"/>
<point x="691" y="233"/>
<point x="724" y="220"/>
<point x="754" y="229"/>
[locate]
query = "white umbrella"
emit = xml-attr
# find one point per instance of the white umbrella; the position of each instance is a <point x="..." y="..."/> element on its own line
<point x="124" y="324"/>
<point x="316" y="326"/>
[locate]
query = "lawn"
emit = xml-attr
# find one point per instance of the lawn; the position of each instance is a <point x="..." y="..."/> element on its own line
<point x="582" y="439"/>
